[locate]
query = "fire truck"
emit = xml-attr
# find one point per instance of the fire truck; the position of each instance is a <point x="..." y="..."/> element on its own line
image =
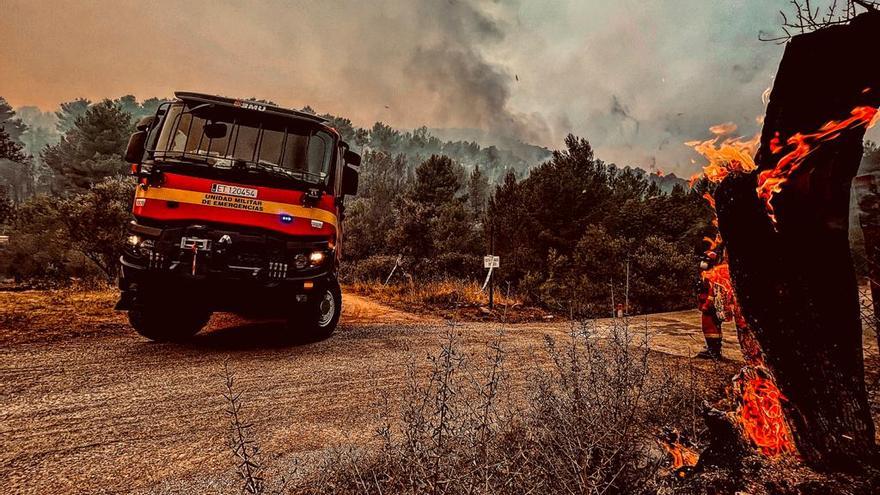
<point x="238" y="208"/>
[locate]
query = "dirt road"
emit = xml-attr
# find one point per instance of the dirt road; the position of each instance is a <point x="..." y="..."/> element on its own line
<point x="87" y="406"/>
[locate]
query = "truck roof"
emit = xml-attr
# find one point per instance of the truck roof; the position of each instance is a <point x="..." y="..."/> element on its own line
<point x="248" y="105"/>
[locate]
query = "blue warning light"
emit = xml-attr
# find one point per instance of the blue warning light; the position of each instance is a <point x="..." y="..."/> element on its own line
<point x="286" y="218"/>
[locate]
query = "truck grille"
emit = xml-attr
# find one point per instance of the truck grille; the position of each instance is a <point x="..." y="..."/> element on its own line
<point x="157" y="260"/>
<point x="277" y="270"/>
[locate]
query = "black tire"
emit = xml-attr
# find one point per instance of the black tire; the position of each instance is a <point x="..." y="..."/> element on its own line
<point x="318" y="318"/>
<point x="167" y="325"/>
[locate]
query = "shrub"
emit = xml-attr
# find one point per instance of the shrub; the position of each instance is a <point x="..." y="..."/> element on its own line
<point x="589" y="424"/>
<point x="449" y="265"/>
<point x="372" y="269"/>
<point x="96" y="222"/>
<point x="661" y="276"/>
<point x="39" y="249"/>
<point x="55" y="239"/>
<point x="444" y="266"/>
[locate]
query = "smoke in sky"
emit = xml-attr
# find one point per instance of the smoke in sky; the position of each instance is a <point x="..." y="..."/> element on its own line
<point x="636" y="78"/>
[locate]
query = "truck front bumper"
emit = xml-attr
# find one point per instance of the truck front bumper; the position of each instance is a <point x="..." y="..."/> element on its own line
<point x="221" y="270"/>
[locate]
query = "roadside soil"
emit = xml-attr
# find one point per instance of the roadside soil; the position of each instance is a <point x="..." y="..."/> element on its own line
<point x="88" y="406"/>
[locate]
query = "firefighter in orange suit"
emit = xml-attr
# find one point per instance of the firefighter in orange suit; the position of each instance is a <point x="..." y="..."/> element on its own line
<point x="711" y="320"/>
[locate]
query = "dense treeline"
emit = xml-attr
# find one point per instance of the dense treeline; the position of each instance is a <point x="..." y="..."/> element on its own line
<point x="568" y="234"/>
<point x="572" y="229"/>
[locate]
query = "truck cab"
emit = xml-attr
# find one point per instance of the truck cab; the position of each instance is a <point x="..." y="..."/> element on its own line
<point x="238" y="208"/>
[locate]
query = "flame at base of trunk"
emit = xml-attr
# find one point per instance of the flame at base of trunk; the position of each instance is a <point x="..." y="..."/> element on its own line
<point x="684" y="456"/>
<point x="759" y="411"/>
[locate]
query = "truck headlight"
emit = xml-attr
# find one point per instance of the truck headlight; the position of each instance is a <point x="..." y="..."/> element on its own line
<point x="140" y="246"/>
<point x="316" y="258"/>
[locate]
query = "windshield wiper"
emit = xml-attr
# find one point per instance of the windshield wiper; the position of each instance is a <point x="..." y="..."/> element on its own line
<point x="277" y="171"/>
<point x="183" y="158"/>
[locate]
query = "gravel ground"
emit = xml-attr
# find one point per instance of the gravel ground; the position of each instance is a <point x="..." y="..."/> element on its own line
<point x="88" y="406"/>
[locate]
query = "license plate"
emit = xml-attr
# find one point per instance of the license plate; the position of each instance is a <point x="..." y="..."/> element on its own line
<point x="244" y="192"/>
<point x="190" y="243"/>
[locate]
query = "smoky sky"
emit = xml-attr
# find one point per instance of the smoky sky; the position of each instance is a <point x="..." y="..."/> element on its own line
<point x="636" y="78"/>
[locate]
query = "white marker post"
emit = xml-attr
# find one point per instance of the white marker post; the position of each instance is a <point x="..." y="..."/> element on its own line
<point x="491" y="262"/>
<point x="396" y="264"/>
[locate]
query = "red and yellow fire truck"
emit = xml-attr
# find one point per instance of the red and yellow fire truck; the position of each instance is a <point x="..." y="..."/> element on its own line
<point x="238" y="208"/>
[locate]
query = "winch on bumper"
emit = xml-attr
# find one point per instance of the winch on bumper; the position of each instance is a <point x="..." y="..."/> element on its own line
<point x="223" y="268"/>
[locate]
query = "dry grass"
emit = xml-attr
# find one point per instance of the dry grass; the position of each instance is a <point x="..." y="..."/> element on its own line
<point x="48" y="315"/>
<point x="450" y="298"/>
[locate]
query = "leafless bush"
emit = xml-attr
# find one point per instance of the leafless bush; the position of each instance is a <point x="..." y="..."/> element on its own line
<point x="585" y="422"/>
<point x="596" y="411"/>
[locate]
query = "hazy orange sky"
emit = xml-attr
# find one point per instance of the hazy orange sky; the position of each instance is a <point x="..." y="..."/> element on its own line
<point x="637" y="78"/>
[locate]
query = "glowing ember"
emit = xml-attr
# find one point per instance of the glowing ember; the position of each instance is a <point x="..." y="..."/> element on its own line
<point x="723" y="129"/>
<point x="760" y="412"/>
<point x="683" y="455"/>
<point x="770" y="182"/>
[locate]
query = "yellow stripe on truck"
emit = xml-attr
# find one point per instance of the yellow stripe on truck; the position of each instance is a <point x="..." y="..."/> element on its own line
<point x="235" y="203"/>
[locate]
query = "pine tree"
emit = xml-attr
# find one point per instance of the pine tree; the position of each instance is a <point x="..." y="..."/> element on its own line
<point x="6" y="206"/>
<point x="18" y="174"/>
<point x="437" y="181"/>
<point x="92" y="149"/>
<point x="478" y="192"/>
<point x="14" y="127"/>
<point x="10" y="149"/>
<point x="70" y="111"/>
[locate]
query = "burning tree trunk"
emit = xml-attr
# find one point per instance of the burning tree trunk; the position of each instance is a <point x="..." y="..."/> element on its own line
<point x="792" y="268"/>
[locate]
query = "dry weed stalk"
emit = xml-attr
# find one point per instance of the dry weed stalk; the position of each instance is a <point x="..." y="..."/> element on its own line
<point x="244" y="447"/>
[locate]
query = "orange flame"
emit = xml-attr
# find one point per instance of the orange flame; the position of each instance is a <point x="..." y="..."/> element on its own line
<point x="681" y="455"/>
<point x="729" y="155"/>
<point x="723" y="129"/>
<point x="684" y="456"/>
<point x="771" y="182"/>
<point x="760" y="412"/>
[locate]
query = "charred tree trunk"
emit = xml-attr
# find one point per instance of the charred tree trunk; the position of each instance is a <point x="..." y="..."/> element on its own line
<point x="796" y="283"/>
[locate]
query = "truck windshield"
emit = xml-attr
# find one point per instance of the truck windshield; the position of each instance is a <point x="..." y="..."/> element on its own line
<point x="223" y="137"/>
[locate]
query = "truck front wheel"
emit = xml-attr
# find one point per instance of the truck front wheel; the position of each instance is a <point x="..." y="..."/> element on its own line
<point x="320" y="315"/>
<point x="167" y="325"/>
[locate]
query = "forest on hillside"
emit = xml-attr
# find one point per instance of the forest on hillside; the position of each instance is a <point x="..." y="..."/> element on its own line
<point x="573" y="231"/>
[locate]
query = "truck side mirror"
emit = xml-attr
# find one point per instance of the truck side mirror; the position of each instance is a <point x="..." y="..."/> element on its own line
<point x="352" y="158"/>
<point x="145" y="123"/>
<point x="350" y="179"/>
<point x="135" y="151"/>
<point x="215" y="130"/>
